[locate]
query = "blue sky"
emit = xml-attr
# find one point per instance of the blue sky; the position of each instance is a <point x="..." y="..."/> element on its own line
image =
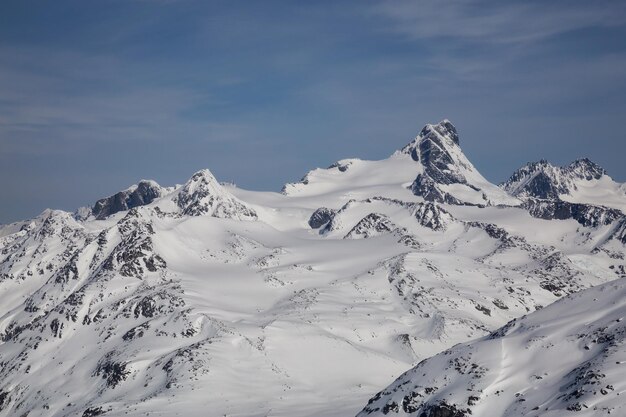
<point x="96" y="95"/>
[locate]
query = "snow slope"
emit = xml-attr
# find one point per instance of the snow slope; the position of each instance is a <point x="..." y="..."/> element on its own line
<point x="581" y="182"/>
<point x="431" y="166"/>
<point x="205" y="299"/>
<point x="566" y="359"/>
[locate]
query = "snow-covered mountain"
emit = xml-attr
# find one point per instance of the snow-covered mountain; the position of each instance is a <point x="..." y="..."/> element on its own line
<point x="581" y="190"/>
<point x="432" y="166"/>
<point x="206" y="299"/>
<point x="543" y="180"/>
<point x="566" y="359"/>
<point x="137" y="195"/>
<point x="447" y="176"/>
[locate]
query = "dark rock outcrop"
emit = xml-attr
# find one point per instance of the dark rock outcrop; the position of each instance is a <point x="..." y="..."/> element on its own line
<point x="93" y="412"/>
<point x="434" y="153"/>
<point x="112" y="372"/>
<point x="432" y="148"/>
<point x="141" y="194"/>
<point x="619" y="233"/>
<point x="540" y="185"/>
<point x="342" y="166"/>
<point x="425" y="187"/>
<point x="443" y="409"/>
<point x="546" y="181"/>
<point x="586" y="214"/>
<point x="371" y="225"/>
<point x="437" y="150"/>
<point x="432" y="216"/>
<point x="203" y="195"/>
<point x="320" y="217"/>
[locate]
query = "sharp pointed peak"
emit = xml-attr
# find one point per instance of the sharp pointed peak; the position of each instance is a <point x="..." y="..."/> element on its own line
<point x="444" y="128"/>
<point x="587" y="169"/>
<point x="204" y="173"/>
<point x="586" y="163"/>
<point x="443" y="133"/>
<point x="204" y="195"/>
<point x="202" y="180"/>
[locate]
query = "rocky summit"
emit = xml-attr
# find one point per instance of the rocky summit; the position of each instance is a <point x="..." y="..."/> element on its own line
<point x="405" y="286"/>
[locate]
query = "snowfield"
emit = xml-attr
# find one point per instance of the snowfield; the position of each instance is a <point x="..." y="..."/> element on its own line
<point x="208" y="300"/>
<point x="566" y="359"/>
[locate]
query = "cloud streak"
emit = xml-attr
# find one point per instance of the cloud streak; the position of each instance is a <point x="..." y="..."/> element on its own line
<point x="498" y="22"/>
<point x="262" y="92"/>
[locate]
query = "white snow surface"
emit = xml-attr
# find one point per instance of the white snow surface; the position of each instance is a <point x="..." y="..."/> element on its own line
<point x="214" y="300"/>
<point x="581" y="182"/>
<point x="566" y="359"/>
<point x="603" y="190"/>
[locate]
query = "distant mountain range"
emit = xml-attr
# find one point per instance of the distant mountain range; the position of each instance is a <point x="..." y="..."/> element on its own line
<point x="204" y="299"/>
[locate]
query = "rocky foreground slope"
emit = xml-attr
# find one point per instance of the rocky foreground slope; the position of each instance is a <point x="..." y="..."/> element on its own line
<point x="205" y="299"/>
<point x="566" y="359"/>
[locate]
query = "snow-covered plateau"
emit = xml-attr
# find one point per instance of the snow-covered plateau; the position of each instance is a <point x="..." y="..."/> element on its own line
<point x="204" y="299"/>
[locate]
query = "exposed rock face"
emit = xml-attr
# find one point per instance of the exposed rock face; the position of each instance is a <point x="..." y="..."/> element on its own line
<point x="586" y="169"/>
<point x="434" y="153"/>
<point x="546" y="181"/>
<point x="585" y="214"/>
<point x="112" y="372"/>
<point x="443" y="409"/>
<point x="165" y="309"/>
<point x="432" y="216"/>
<point x="203" y="195"/>
<point x="134" y="255"/>
<point x="425" y="187"/>
<point x="446" y="175"/>
<point x="373" y="224"/>
<point x="433" y="148"/>
<point x="427" y="214"/>
<point x="342" y="166"/>
<point x="432" y="136"/>
<point x="543" y="187"/>
<point x="569" y="362"/>
<point x="321" y="217"/>
<point x="88" y="286"/>
<point x="141" y="194"/>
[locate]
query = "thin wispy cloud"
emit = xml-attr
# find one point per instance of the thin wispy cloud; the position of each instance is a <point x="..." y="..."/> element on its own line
<point x="498" y="21"/>
<point x="128" y="90"/>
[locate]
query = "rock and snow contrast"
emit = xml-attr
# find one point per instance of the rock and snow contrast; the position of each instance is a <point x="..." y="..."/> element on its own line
<point x="566" y="359"/>
<point x="582" y="191"/>
<point x="206" y="299"/>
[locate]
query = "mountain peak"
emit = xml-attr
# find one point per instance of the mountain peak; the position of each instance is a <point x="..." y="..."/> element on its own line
<point x="444" y="128"/>
<point x="203" y="195"/>
<point x="435" y="149"/>
<point x="136" y="195"/>
<point x="544" y="180"/>
<point x="443" y="164"/>
<point x="202" y="179"/>
<point x="585" y="168"/>
<point x="442" y="134"/>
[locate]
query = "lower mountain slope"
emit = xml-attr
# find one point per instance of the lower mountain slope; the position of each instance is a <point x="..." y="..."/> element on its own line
<point x="566" y="359"/>
<point x="154" y="310"/>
